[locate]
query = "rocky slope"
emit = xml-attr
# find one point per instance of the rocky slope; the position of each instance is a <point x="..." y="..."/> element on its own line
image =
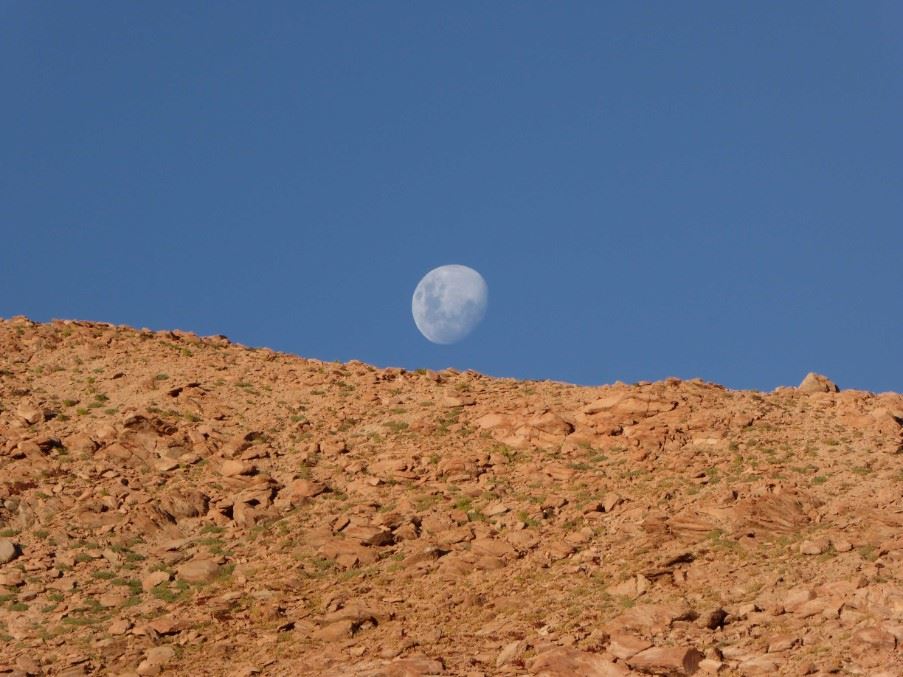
<point x="171" y="504"/>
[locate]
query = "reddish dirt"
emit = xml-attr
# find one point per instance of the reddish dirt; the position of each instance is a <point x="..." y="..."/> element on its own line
<point x="171" y="504"/>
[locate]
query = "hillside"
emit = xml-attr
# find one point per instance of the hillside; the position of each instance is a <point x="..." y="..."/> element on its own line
<point x="171" y="504"/>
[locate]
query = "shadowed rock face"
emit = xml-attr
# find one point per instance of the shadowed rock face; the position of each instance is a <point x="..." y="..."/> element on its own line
<point x="170" y="502"/>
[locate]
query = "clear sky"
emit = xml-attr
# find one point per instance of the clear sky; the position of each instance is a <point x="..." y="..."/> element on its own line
<point x="650" y="189"/>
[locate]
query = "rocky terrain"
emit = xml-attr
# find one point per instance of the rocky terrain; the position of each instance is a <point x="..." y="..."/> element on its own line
<point x="172" y="504"/>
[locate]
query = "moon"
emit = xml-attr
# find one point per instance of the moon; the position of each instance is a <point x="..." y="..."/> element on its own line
<point x="449" y="302"/>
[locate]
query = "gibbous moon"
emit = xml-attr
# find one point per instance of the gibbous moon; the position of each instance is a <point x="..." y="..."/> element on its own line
<point x="449" y="303"/>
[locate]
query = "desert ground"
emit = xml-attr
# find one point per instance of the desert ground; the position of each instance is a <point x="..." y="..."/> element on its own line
<point x="172" y="504"/>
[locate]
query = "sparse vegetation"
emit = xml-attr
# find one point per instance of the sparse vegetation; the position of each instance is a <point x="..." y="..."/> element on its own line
<point x="358" y="487"/>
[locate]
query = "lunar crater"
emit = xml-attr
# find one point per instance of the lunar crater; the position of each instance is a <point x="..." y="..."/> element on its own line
<point x="449" y="302"/>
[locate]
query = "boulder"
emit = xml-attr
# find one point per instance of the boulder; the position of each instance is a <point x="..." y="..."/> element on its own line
<point x="8" y="551"/>
<point x="816" y="383"/>
<point x="669" y="660"/>
<point x="566" y="662"/>
<point x="198" y="571"/>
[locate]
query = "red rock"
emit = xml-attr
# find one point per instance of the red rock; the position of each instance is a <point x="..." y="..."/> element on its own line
<point x="841" y="544"/>
<point x="119" y="627"/>
<point x="624" y="646"/>
<point x="233" y="468"/>
<point x="672" y="660"/>
<point x="713" y="619"/>
<point x="551" y="423"/>
<point x="492" y="421"/>
<point x="333" y="447"/>
<point x="783" y="643"/>
<point x="415" y="666"/>
<point x="493" y="548"/>
<point x="495" y="509"/>
<point x="198" y="571"/>
<point x="421" y="536"/>
<point x="626" y="404"/>
<point x="165" y="626"/>
<point x="11" y="577"/>
<point x="565" y="662"/>
<point x="650" y="617"/>
<point x="155" y="660"/>
<point x="370" y="535"/>
<point x="816" y="383"/>
<point x="814" y="547"/>
<point x="710" y="666"/>
<point x="338" y="630"/>
<point x="560" y="472"/>
<point x="610" y="501"/>
<point x="873" y="639"/>
<point x="758" y="665"/>
<point x="452" y="401"/>
<point x="8" y="550"/>
<point x="80" y="443"/>
<point x="350" y="551"/>
<point x="511" y="653"/>
<point x="303" y="488"/>
<point x="796" y="598"/>
<point x="30" y="413"/>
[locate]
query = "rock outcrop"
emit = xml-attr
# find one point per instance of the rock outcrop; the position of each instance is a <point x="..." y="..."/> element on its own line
<point x="172" y="503"/>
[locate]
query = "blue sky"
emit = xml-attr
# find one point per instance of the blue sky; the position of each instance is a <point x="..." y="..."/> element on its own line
<point x="650" y="189"/>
